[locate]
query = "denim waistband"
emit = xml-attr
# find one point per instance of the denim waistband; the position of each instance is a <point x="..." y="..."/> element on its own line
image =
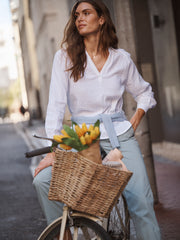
<point x="107" y="120"/>
<point x="126" y="135"/>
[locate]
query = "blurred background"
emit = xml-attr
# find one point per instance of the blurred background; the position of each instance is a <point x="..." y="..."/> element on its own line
<point x="31" y="32"/>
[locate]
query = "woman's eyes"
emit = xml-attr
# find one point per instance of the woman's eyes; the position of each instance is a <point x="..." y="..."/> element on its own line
<point x="78" y="15"/>
<point x="86" y="13"/>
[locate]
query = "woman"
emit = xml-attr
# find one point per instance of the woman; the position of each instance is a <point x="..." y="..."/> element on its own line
<point x="91" y="74"/>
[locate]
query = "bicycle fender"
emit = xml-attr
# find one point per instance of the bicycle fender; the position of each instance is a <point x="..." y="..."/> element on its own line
<point x="93" y="218"/>
<point x="54" y="222"/>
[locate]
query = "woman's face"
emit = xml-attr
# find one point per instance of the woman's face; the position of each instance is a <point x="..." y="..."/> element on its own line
<point x="87" y="20"/>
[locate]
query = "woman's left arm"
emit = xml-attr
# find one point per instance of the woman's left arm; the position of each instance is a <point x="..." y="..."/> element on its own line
<point x="141" y="92"/>
<point x="136" y="118"/>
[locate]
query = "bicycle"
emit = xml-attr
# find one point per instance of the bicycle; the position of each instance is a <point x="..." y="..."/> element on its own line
<point x="86" y="226"/>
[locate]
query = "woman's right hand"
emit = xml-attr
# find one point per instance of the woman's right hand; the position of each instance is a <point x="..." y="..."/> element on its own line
<point x="45" y="162"/>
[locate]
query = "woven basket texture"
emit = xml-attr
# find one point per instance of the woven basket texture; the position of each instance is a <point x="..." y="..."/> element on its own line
<point x="86" y="186"/>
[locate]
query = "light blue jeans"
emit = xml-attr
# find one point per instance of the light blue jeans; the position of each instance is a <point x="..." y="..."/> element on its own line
<point x="138" y="193"/>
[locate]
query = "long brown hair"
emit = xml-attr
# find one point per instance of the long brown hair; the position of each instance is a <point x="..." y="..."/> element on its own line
<point x="74" y="43"/>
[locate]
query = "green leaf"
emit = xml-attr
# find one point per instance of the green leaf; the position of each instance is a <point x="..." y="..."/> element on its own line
<point x="72" y="142"/>
<point x="54" y="144"/>
<point x="74" y="123"/>
<point x="70" y="132"/>
<point x="97" y="123"/>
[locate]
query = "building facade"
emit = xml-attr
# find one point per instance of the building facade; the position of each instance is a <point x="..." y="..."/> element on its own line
<point x="148" y="29"/>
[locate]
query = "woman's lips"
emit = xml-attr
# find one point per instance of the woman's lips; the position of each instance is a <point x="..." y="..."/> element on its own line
<point x="81" y="26"/>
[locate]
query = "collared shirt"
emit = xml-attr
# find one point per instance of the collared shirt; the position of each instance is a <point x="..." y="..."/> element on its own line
<point x="96" y="92"/>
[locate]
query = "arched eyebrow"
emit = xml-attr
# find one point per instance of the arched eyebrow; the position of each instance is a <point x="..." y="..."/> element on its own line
<point x="84" y="10"/>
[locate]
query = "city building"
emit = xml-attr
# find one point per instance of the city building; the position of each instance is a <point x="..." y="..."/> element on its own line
<point x="147" y="29"/>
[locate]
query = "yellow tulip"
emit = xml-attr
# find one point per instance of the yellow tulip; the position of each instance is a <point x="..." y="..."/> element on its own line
<point x="78" y="130"/>
<point x="97" y="131"/>
<point x="84" y="128"/>
<point x="58" y="138"/>
<point x="83" y="141"/>
<point x="88" y="139"/>
<point x="64" y="133"/>
<point x="65" y="147"/>
<point x="93" y="135"/>
<point x="91" y="127"/>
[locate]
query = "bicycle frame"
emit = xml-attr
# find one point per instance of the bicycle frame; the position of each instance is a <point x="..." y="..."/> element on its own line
<point x="67" y="214"/>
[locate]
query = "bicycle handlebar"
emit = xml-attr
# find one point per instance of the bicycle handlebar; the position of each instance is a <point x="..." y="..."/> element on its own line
<point x="38" y="151"/>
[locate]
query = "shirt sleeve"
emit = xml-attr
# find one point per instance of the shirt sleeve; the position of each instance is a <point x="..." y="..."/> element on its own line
<point x="57" y="96"/>
<point x="139" y="89"/>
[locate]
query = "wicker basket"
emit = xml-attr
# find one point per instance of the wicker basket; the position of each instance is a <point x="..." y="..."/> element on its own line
<point x="86" y="186"/>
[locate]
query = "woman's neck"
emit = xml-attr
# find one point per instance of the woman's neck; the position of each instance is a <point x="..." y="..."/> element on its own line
<point x="92" y="45"/>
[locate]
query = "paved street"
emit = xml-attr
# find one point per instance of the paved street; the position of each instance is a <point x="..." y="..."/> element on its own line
<point x="168" y="210"/>
<point x="167" y="167"/>
<point x="21" y="216"/>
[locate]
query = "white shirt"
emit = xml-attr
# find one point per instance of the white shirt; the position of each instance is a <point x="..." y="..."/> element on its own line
<point x="96" y="92"/>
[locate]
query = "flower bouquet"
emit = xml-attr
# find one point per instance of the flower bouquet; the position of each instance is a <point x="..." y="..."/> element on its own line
<point x="83" y="139"/>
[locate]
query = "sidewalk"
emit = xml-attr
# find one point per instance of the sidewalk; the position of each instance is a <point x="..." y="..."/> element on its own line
<point x="168" y="185"/>
<point x="21" y="215"/>
<point x="167" y="168"/>
<point x="27" y="132"/>
<point x="167" y="150"/>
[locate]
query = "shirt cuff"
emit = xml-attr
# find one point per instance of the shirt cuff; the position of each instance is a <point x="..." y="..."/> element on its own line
<point x="143" y="107"/>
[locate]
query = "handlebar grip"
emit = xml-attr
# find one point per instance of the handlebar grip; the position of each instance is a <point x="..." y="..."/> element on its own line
<point x="37" y="152"/>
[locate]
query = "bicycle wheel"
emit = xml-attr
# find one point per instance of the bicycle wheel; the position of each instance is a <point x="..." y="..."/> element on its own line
<point x="119" y="221"/>
<point x="87" y="230"/>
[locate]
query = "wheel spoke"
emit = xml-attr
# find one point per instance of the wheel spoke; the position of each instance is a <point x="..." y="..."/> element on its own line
<point x="119" y="221"/>
<point x="80" y="228"/>
<point x="75" y="235"/>
<point x="120" y="218"/>
<point x="98" y="238"/>
<point x="86" y="233"/>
